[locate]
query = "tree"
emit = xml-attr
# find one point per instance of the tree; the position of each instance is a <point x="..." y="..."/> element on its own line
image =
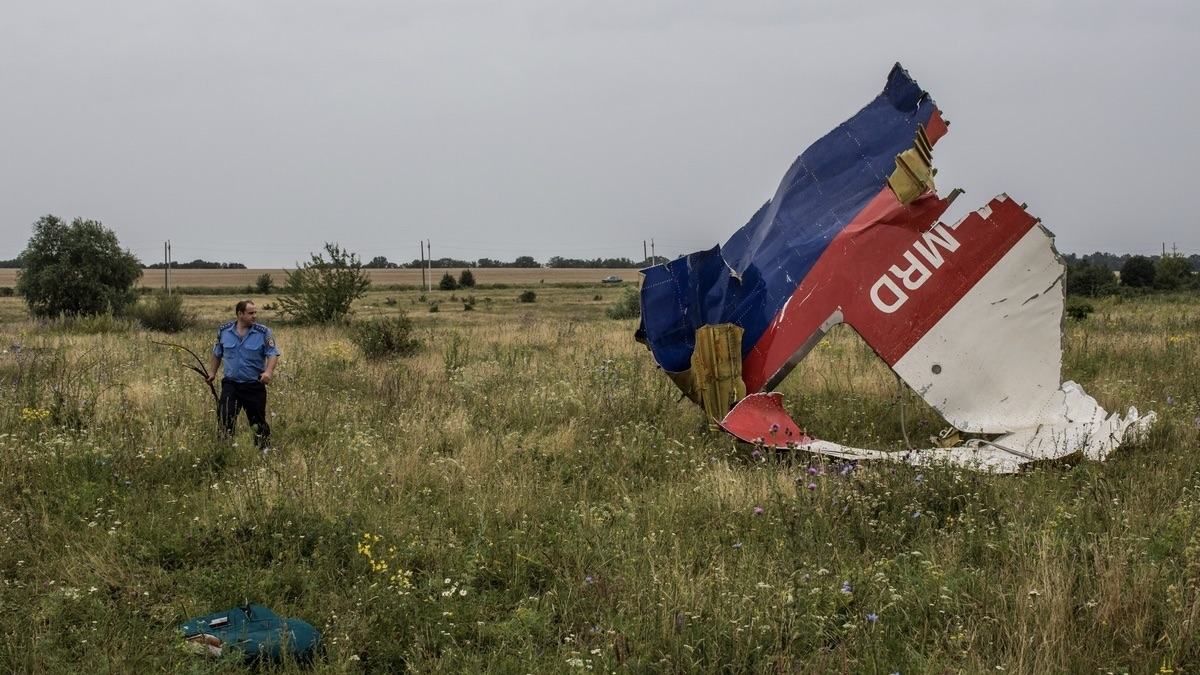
<point x="525" y="261"/>
<point x="380" y="262"/>
<point x="1084" y="278"/>
<point x="76" y="269"/>
<point x="1172" y="273"/>
<point x="448" y="283"/>
<point x="466" y="279"/>
<point x="264" y="283"/>
<point x="1137" y="272"/>
<point x="321" y="291"/>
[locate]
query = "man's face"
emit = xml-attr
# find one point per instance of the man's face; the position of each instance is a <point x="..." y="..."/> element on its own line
<point x="250" y="315"/>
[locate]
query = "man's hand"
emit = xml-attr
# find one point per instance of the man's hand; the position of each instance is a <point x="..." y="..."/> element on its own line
<point x="210" y="377"/>
<point x="265" y="378"/>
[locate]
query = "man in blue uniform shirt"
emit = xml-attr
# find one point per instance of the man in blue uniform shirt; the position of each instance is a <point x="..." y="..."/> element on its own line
<point x="249" y="351"/>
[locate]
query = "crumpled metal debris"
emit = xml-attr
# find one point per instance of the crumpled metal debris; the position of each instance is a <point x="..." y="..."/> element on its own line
<point x="969" y="315"/>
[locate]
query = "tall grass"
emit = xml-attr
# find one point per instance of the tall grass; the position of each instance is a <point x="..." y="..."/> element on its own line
<point x="528" y="495"/>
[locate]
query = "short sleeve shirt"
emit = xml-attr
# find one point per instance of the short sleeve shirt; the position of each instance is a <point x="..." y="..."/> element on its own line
<point x="245" y="356"/>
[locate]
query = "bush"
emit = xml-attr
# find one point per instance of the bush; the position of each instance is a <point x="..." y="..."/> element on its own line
<point x="6" y="291"/>
<point x="164" y="313"/>
<point x="264" y="284"/>
<point x="1079" y="310"/>
<point x="629" y="306"/>
<point x="447" y="283"/>
<point x="390" y="336"/>
<point x="433" y="307"/>
<point x="322" y="291"/>
<point x="466" y="279"/>
<point x="1090" y="280"/>
<point x="527" y="296"/>
<point x="76" y="269"/>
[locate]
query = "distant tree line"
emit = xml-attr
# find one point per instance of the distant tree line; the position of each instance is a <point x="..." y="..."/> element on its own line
<point x="1092" y="275"/>
<point x="524" y="261"/>
<point x="198" y="264"/>
<point x="15" y="263"/>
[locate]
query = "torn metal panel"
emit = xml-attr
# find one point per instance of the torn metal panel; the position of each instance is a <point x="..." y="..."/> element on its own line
<point x="967" y="314"/>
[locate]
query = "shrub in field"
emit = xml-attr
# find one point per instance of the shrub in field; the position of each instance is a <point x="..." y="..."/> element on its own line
<point x="1173" y="273"/>
<point x="6" y="291"/>
<point x="321" y="290"/>
<point x="466" y="279"/>
<point x="264" y="284"/>
<point x="433" y="307"/>
<point x="527" y="296"/>
<point x="447" y="283"/>
<point x="1079" y="310"/>
<point x="391" y="336"/>
<point x="76" y="269"/>
<point x="164" y="313"/>
<point x="629" y="306"/>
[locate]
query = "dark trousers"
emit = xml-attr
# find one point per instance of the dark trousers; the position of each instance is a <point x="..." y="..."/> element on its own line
<point x="252" y="396"/>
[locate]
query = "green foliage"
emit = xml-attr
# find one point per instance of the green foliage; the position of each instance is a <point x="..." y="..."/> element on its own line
<point x="6" y="291"/>
<point x="264" y="283"/>
<point x="390" y="336"/>
<point x="76" y="269"/>
<point x="527" y="296"/>
<point x="1078" y="310"/>
<point x="466" y="279"/>
<point x="628" y="306"/>
<point x="164" y="313"/>
<point x="1090" y="280"/>
<point x="1138" y="272"/>
<point x="1173" y="273"/>
<point x="322" y="290"/>
<point x="447" y="283"/>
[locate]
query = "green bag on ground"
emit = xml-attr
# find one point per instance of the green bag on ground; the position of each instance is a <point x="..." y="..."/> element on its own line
<point x="255" y="632"/>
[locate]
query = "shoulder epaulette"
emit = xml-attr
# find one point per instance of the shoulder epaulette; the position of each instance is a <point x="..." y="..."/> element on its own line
<point x="260" y="328"/>
<point x="227" y="324"/>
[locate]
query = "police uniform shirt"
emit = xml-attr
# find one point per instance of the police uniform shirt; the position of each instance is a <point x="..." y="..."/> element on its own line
<point x="245" y="357"/>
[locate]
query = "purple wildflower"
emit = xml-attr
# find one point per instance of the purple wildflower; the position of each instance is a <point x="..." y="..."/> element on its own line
<point x="774" y="428"/>
<point x="812" y="486"/>
<point x="846" y="469"/>
<point x="589" y="579"/>
<point x="872" y="617"/>
<point x="758" y="510"/>
<point x="757" y="454"/>
<point x="812" y="471"/>
<point x="847" y="589"/>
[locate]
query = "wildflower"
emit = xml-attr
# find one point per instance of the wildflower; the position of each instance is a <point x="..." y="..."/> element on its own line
<point x="846" y="469"/>
<point x="812" y="471"/>
<point x="1170" y="400"/>
<point x="847" y="589"/>
<point x="757" y="454"/>
<point x="589" y="580"/>
<point x="758" y="510"/>
<point x="774" y="428"/>
<point x="737" y="544"/>
<point x="812" y="486"/>
<point x="872" y="617"/>
<point x="920" y="478"/>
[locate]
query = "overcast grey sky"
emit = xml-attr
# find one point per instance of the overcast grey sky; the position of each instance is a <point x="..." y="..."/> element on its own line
<point x="256" y="130"/>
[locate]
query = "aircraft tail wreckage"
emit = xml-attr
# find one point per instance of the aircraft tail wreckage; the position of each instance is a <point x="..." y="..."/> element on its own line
<point x="969" y="315"/>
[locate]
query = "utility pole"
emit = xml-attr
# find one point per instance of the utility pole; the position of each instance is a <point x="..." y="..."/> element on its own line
<point x="422" y="243"/>
<point x="429" y="262"/>
<point x="1174" y="250"/>
<point x="644" y="256"/>
<point x="166" y="281"/>
<point x="654" y="258"/>
<point x="168" y="267"/>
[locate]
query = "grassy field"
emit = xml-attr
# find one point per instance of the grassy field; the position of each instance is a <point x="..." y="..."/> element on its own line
<point x="528" y="494"/>
<point x="400" y="277"/>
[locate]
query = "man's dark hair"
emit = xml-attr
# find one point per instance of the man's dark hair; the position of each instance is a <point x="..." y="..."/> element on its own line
<point x="241" y="306"/>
